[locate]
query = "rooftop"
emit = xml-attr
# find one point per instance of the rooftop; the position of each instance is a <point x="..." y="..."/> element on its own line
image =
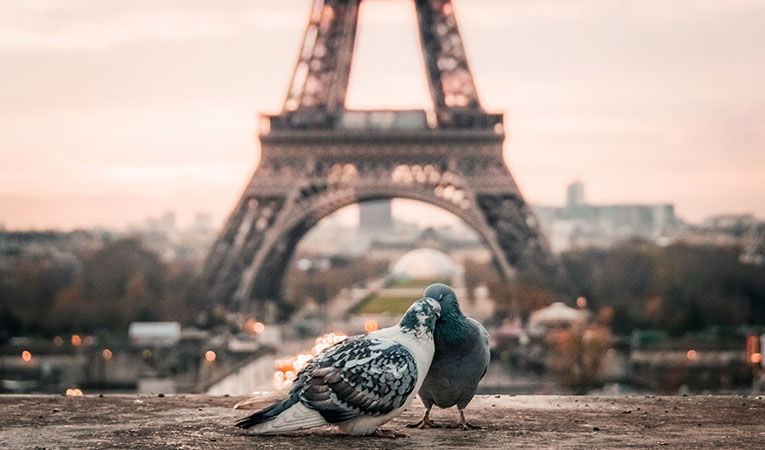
<point x="191" y="421"/>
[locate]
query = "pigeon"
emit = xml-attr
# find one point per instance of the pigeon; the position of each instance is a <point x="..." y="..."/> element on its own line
<point x="461" y="359"/>
<point x="359" y="383"/>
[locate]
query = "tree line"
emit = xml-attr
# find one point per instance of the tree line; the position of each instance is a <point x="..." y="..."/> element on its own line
<point x="679" y="289"/>
<point x="54" y="292"/>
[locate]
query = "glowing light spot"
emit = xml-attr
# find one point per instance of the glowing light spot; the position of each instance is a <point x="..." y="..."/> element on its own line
<point x="210" y="355"/>
<point x="107" y="354"/>
<point x="76" y="340"/>
<point x="26" y="356"/>
<point x="756" y="358"/>
<point x="287" y="370"/>
<point x="692" y="355"/>
<point x="328" y="340"/>
<point x="74" y="393"/>
<point x="301" y="361"/>
<point x="370" y="325"/>
<point x="251" y="326"/>
<point x="58" y="341"/>
<point x="581" y="302"/>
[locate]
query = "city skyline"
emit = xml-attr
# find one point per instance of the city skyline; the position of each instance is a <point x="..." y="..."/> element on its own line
<point x="114" y="112"/>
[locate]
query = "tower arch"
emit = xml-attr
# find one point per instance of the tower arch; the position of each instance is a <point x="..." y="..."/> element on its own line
<point x="317" y="157"/>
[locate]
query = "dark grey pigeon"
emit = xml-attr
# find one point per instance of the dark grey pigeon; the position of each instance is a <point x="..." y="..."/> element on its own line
<point x="460" y="360"/>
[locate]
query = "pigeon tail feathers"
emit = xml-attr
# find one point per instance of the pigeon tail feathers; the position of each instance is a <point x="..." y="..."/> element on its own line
<point x="270" y="413"/>
<point x="295" y="417"/>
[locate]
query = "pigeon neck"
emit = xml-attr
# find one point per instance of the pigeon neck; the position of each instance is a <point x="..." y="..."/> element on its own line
<point x="453" y="326"/>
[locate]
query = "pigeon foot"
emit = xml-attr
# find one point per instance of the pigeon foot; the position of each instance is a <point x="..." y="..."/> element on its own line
<point x="469" y="426"/>
<point x="388" y="434"/>
<point x="424" y="423"/>
<point x="464" y="423"/>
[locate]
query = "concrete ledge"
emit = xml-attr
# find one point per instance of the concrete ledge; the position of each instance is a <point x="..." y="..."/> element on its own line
<point x="178" y="421"/>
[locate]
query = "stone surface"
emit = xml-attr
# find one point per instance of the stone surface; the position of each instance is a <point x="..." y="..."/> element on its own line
<point x="178" y="421"/>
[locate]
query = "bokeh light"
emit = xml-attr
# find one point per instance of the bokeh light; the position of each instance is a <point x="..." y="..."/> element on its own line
<point x="287" y="370"/>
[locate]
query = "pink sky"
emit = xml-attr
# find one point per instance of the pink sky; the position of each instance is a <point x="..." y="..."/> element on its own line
<point x="111" y="111"/>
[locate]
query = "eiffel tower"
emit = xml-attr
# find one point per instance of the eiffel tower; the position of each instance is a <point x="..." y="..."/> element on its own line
<point x="317" y="157"/>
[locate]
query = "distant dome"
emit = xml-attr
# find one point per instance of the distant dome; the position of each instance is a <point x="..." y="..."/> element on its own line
<point x="557" y="314"/>
<point x="425" y="264"/>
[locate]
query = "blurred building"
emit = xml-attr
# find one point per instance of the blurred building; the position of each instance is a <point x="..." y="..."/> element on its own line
<point x="425" y="264"/>
<point x="581" y="224"/>
<point x="163" y="236"/>
<point x="390" y="242"/>
<point x="376" y="215"/>
<point x="743" y="231"/>
<point x="59" y="245"/>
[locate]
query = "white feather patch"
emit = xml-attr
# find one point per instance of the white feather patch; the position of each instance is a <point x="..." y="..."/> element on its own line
<point x="296" y="417"/>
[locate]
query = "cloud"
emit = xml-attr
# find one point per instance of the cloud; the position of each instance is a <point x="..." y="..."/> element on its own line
<point x="504" y="13"/>
<point x="98" y="24"/>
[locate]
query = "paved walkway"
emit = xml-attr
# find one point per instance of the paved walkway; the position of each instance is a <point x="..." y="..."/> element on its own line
<point x="177" y="421"/>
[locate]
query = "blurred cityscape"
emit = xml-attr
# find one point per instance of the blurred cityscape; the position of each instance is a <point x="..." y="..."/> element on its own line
<point x="663" y="305"/>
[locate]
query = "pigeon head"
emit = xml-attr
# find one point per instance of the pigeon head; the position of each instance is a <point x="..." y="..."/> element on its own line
<point x="445" y="296"/>
<point x="421" y="317"/>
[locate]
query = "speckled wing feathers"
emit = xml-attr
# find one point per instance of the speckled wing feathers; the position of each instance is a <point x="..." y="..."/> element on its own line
<point x="358" y="376"/>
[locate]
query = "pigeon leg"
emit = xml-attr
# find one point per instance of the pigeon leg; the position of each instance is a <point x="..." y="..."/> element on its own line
<point x="388" y="434"/>
<point x="425" y="422"/>
<point x="465" y="425"/>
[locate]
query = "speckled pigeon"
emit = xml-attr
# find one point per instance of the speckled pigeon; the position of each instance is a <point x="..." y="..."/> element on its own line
<point x="460" y="361"/>
<point x="359" y="383"/>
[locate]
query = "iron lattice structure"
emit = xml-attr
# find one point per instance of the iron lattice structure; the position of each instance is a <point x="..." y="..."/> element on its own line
<point x="317" y="157"/>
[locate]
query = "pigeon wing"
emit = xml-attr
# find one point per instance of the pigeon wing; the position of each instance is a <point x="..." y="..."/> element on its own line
<point x="485" y="351"/>
<point x="359" y="376"/>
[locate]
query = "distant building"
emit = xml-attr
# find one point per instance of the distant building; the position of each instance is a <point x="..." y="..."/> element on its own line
<point x="739" y="224"/>
<point x="575" y="194"/>
<point x="62" y="244"/>
<point x="580" y="224"/>
<point x="744" y="231"/>
<point x="163" y="236"/>
<point x="154" y="334"/>
<point x="376" y="215"/>
<point x="425" y="264"/>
